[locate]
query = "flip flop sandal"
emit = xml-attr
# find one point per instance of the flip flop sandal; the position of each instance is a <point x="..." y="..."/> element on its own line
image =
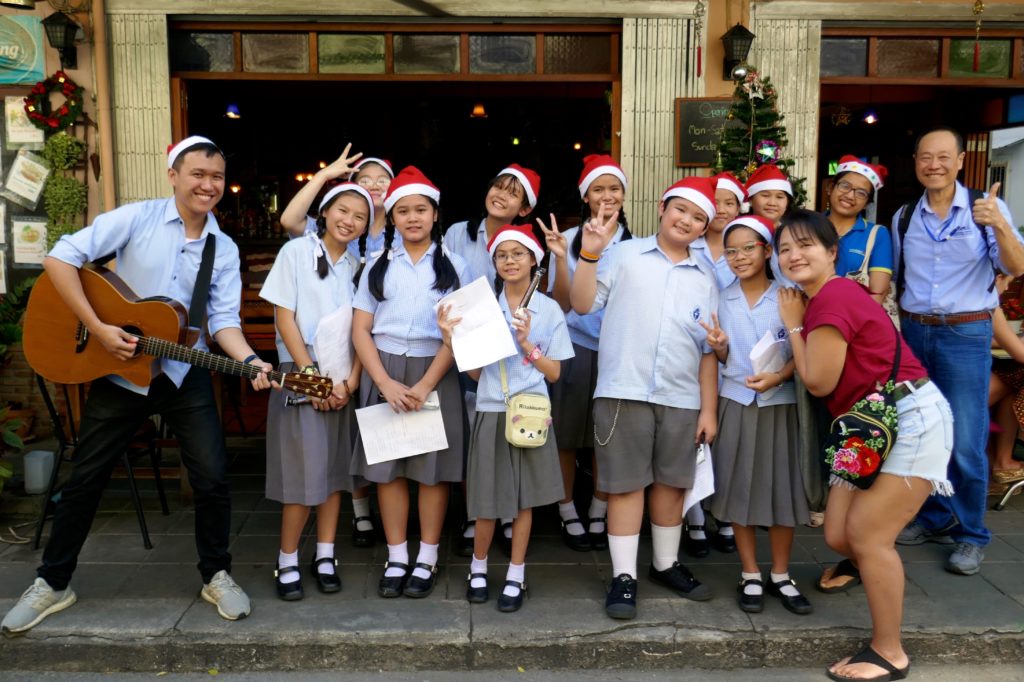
<point x="844" y="569"/>
<point x="869" y="655"/>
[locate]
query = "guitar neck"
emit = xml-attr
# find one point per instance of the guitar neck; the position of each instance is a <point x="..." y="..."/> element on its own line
<point x="200" y="358"/>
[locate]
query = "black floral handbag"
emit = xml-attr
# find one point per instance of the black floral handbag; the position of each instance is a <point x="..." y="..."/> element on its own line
<point x="862" y="438"/>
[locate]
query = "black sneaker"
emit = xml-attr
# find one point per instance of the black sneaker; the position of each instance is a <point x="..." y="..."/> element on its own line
<point x="621" y="600"/>
<point x="679" y="579"/>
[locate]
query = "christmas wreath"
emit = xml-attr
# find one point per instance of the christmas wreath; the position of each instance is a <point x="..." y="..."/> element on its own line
<point x="37" y="104"/>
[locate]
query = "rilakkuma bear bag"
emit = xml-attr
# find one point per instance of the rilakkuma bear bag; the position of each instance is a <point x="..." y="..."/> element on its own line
<point x="527" y="416"/>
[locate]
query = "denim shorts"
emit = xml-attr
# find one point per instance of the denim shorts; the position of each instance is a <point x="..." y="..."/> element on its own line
<point x="924" y="442"/>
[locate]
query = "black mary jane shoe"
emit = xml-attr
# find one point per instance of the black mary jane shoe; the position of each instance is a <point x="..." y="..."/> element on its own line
<point x="476" y="595"/>
<point x="465" y="546"/>
<point x="598" y="541"/>
<point x="751" y="603"/>
<point x="505" y="540"/>
<point x="797" y="604"/>
<point x="507" y="604"/>
<point x="580" y="543"/>
<point x="363" y="538"/>
<point x="417" y="587"/>
<point x="694" y="547"/>
<point x="391" y="587"/>
<point x="726" y="544"/>
<point x="288" y="591"/>
<point x="327" y="582"/>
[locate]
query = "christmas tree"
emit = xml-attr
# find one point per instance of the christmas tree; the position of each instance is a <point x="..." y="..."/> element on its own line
<point x="754" y="134"/>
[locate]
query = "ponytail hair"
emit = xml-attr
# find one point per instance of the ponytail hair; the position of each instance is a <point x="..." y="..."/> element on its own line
<point x="445" y="276"/>
<point x="362" y="256"/>
<point x="577" y="242"/>
<point x="322" y="266"/>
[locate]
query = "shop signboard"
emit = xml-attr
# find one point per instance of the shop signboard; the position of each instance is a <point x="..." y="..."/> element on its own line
<point x="699" y="123"/>
<point x="22" y="53"/>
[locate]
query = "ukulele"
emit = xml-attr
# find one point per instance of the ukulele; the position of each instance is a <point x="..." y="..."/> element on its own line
<point x="59" y="347"/>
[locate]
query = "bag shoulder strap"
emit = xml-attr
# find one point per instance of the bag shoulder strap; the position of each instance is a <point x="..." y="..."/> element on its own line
<point x="899" y="354"/>
<point x="201" y="292"/>
<point x="504" y="380"/>
<point x="972" y="196"/>
<point x="869" y="248"/>
<point x="906" y="213"/>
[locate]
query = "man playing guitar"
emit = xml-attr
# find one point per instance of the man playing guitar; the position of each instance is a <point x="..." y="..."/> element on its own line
<point x="159" y="246"/>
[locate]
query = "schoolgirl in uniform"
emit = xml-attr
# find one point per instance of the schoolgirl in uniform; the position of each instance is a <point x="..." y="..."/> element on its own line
<point x="602" y="186"/>
<point x="657" y="382"/>
<point x="395" y="332"/>
<point x="374" y="175"/>
<point x="757" y="475"/>
<point x="770" y="193"/>
<point x="511" y="196"/>
<point x="504" y="481"/>
<point x="309" y="448"/>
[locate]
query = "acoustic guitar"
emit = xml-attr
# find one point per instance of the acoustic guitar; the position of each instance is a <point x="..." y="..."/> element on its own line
<point x="59" y="347"/>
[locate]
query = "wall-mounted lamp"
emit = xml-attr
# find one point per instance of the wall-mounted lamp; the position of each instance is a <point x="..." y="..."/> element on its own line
<point x="60" y="33"/>
<point x="737" y="41"/>
<point x="64" y="8"/>
<point x="870" y="117"/>
<point x="232" y="112"/>
<point x="478" y="111"/>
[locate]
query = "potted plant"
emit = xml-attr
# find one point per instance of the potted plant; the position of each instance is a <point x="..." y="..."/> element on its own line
<point x="12" y="308"/>
<point x="65" y="197"/>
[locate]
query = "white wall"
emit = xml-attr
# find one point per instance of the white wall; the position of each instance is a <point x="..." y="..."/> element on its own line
<point x="1008" y="146"/>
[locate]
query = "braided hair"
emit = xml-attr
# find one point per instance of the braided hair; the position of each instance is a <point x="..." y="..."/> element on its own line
<point x="577" y="242"/>
<point x="445" y="276"/>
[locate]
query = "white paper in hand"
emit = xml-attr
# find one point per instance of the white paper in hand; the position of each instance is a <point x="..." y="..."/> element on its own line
<point x="703" y="481"/>
<point x="482" y="337"/>
<point x="389" y="435"/>
<point x="332" y="344"/>
<point x="769" y="354"/>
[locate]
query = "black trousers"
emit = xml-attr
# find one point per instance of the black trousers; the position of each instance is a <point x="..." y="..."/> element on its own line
<point x="111" y="417"/>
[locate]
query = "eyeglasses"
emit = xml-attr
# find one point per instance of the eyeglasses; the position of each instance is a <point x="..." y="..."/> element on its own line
<point x="514" y="256"/>
<point x="746" y="250"/>
<point x="845" y="188"/>
<point x="367" y="183"/>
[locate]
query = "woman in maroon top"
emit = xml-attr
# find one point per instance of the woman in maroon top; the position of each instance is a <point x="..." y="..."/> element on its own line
<point x="843" y="345"/>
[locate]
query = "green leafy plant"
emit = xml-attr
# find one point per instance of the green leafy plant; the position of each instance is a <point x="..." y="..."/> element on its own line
<point x="65" y="197"/>
<point x="10" y="440"/>
<point x="63" y="151"/>
<point x="12" y="307"/>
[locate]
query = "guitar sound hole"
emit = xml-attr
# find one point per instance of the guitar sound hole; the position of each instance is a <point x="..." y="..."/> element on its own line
<point x="136" y="332"/>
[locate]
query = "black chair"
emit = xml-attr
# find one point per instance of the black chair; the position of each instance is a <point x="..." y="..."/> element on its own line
<point x="145" y="441"/>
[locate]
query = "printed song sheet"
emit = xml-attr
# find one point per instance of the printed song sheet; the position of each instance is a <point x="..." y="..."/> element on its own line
<point x="483" y="336"/>
<point x="389" y="435"/>
<point x="703" y="480"/>
<point x="769" y="354"/>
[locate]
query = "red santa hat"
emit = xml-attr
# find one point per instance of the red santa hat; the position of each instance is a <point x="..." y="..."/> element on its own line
<point x="596" y="165"/>
<point x="410" y="180"/>
<point x="728" y="181"/>
<point x="516" y="233"/>
<point x="175" y="150"/>
<point x="528" y="179"/>
<point x="700" y="191"/>
<point x="383" y="163"/>
<point x="876" y="175"/>
<point x="768" y="177"/>
<point x="348" y="187"/>
<point x="756" y="223"/>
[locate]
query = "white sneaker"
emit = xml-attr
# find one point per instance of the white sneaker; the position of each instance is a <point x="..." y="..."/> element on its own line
<point x="38" y="602"/>
<point x="223" y="592"/>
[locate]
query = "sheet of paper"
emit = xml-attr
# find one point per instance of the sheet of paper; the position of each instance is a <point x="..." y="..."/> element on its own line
<point x="389" y="435"/>
<point x="21" y="132"/>
<point x="332" y="344"/>
<point x="26" y="179"/>
<point x="703" y="481"/>
<point x="29" y="237"/>
<point x="769" y="354"/>
<point x="483" y="336"/>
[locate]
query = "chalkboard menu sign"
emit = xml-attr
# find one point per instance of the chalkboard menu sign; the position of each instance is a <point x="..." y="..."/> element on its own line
<point x="699" y="123"/>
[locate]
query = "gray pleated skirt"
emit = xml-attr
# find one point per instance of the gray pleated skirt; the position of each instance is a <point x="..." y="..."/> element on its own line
<point x="309" y="453"/>
<point x="572" y="400"/>
<point x="502" y="479"/>
<point x="757" y="474"/>
<point x="430" y="468"/>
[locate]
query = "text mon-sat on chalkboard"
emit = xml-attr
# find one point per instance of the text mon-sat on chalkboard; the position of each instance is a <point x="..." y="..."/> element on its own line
<point x="699" y="122"/>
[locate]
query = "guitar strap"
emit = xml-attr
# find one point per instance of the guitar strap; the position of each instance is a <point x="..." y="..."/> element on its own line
<point x="201" y="292"/>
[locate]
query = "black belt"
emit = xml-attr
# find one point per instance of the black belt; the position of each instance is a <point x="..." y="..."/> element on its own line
<point x="905" y="388"/>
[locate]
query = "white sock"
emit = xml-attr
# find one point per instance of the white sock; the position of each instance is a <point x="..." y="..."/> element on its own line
<point x="361" y="508"/>
<point x="788" y="589"/>
<point x="568" y="512"/>
<point x="470" y="531"/>
<point x="665" y="543"/>
<point x="516" y="572"/>
<point x="478" y="566"/>
<point x="623" y="549"/>
<point x="506" y="528"/>
<point x="427" y="555"/>
<point x="325" y="549"/>
<point x="752" y="590"/>
<point x="725" y="530"/>
<point x="695" y="517"/>
<point x="283" y="561"/>
<point x="397" y="554"/>
<point x="598" y="510"/>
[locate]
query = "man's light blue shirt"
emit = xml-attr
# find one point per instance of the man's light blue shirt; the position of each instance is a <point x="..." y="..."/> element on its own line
<point x="547" y="330"/>
<point x="651" y="339"/>
<point x="154" y="259"/>
<point x="948" y="262"/>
